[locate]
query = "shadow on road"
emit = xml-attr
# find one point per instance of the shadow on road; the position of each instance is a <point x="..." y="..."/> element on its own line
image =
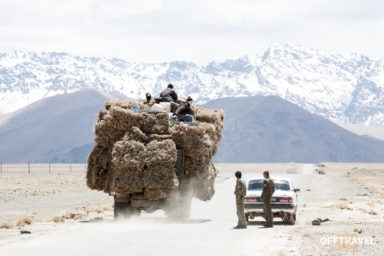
<point x="148" y="219"/>
<point x="261" y="223"/>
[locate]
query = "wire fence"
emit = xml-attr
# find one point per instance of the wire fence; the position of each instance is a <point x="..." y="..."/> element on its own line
<point x="29" y="168"/>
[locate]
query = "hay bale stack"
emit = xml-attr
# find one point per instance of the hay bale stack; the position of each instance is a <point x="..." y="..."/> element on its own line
<point x="98" y="167"/>
<point x="136" y="152"/>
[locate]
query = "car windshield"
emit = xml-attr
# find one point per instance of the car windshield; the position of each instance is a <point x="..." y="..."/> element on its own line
<point x="282" y="185"/>
<point x="255" y="184"/>
<point x="258" y="185"/>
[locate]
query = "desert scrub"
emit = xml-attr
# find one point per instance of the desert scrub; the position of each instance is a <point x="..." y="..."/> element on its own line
<point x="96" y="210"/>
<point x="25" y="220"/>
<point x="6" y="225"/>
<point x="57" y="219"/>
<point x="340" y="205"/>
<point x="108" y="208"/>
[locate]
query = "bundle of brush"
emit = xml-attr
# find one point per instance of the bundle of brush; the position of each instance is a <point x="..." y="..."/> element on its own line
<point x="136" y="152"/>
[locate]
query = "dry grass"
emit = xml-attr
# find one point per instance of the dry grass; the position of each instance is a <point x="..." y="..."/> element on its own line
<point x="371" y="211"/>
<point x="108" y="208"/>
<point x="363" y="210"/>
<point x="73" y="215"/>
<point x="97" y="209"/>
<point x="340" y="205"/>
<point x="6" y="225"/>
<point x="78" y="217"/>
<point x="358" y="230"/>
<point x="343" y="199"/>
<point x="57" y="219"/>
<point x="25" y="220"/>
<point x="371" y="204"/>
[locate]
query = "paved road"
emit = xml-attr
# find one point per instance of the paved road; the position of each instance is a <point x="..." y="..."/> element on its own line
<point x="208" y="232"/>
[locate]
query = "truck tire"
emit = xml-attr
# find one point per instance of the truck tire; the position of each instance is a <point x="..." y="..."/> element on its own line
<point x="124" y="210"/>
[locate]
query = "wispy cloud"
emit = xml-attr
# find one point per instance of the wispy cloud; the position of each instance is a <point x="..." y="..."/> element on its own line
<point x="200" y="30"/>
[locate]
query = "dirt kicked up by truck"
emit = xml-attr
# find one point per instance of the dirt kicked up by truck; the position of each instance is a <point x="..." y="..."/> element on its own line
<point x="148" y="161"/>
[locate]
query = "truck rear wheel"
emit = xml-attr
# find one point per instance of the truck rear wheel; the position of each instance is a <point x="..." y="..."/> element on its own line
<point x="124" y="210"/>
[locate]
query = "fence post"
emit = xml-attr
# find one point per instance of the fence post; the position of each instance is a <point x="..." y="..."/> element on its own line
<point x="49" y="164"/>
<point x="29" y="168"/>
<point x="70" y="167"/>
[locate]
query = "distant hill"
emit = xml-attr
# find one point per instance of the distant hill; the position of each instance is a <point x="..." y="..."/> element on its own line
<point x="269" y="129"/>
<point x="257" y="129"/>
<point x="55" y="129"/>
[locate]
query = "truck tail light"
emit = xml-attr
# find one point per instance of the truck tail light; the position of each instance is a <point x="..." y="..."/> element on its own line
<point x="251" y="198"/>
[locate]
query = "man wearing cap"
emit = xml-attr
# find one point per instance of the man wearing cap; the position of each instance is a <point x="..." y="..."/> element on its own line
<point x="168" y="94"/>
<point x="184" y="111"/>
<point x="240" y="192"/>
<point x="149" y="101"/>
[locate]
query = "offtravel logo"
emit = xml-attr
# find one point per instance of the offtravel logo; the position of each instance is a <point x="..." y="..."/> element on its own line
<point x="347" y="240"/>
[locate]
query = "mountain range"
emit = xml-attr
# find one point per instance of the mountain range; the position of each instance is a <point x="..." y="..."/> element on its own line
<point x="347" y="88"/>
<point x="54" y="129"/>
<point x="269" y="129"/>
<point x="256" y="129"/>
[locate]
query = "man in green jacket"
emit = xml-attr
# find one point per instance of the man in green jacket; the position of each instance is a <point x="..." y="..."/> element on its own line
<point x="266" y="197"/>
<point x="240" y="191"/>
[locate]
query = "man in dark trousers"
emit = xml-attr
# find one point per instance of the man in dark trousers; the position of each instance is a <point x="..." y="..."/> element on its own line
<point x="168" y="94"/>
<point x="240" y="191"/>
<point x="266" y="197"/>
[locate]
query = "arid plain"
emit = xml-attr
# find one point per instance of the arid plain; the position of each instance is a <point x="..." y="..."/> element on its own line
<point x="66" y="218"/>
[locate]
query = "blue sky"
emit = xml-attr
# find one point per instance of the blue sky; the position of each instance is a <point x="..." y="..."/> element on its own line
<point x="199" y="30"/>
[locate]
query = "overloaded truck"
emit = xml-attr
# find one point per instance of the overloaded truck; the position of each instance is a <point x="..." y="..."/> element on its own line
<point x="148" y="160"/>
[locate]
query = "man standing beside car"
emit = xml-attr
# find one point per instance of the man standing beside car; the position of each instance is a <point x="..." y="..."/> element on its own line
<point x="240" y="192"/>
<point x="266" y="197"/>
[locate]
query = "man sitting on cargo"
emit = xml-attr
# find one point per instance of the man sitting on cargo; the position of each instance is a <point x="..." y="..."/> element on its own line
<point x="149" y="101"/>
<point x="184" y="111"/>
<point x="168" y="94"/>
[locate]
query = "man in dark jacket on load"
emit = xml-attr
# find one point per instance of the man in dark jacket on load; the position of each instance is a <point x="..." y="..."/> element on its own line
<point x="168" y="94"/>
<point x="184" y="111"/>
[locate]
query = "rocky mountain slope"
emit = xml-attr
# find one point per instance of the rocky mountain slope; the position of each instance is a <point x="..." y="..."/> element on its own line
<point x="55" y="129"/>
<point x="269" y="129"/>
<point x="340" y="87"/>
<point x="257" y="129"/>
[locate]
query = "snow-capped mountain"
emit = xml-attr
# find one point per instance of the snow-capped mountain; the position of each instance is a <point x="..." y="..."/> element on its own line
<point x="343" y="87"/>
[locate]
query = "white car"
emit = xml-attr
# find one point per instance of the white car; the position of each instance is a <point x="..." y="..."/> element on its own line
<point x="283" y="204"/>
